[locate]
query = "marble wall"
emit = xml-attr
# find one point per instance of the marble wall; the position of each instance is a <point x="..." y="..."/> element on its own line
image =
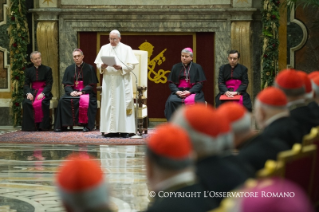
<point x="132" y="18"/>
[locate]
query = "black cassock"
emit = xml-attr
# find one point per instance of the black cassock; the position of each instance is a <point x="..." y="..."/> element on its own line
<point x="197" y="77"/>
<point x="68" y="107"/>
<point x="238" y="73"/>
<point x="42" y="74"/>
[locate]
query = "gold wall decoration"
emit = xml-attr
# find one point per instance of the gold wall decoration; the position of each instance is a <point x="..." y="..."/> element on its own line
<point x="159" y="76"/>
<point x="47" y="40"/>
<point x="241" y="41"/>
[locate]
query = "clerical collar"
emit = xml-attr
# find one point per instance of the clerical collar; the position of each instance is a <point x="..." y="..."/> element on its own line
<point x="234" y="66"/>
<point x="186" y="65"/>
<point x="37" y="66"/>
<point x="80" y="65"/>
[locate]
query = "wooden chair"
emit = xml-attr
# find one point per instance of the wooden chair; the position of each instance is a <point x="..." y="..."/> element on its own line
<point x="313" y="139"/>
<point x="297" y="165"/>
<point x="140" y="93"/>
<point x="53" y="107"/>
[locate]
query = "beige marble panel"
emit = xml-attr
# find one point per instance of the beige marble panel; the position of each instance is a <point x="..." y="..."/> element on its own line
<point x="47" y="40"/>
<point x="144" y="2"/>
<point x="242" y="3"/>
<point x="47" y="3"/>
<point x="241" y="41"/>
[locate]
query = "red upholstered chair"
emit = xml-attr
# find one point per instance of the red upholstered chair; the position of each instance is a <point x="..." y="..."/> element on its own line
<point x="313" y="139"/>
<point x="296" y="165"/>
<point x="299" y="165"/>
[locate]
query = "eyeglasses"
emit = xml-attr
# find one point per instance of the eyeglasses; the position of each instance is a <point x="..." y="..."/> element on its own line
<point x="113" y="39"/>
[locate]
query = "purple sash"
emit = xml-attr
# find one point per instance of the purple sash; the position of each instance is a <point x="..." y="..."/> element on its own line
<point x="190" y="100"/>
<point x="37" y="103"/>
<point x="83" y="103"/>
<point x="234" y="84"/>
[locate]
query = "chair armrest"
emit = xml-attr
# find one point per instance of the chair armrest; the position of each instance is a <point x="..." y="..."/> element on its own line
<point x="99" y="88"/>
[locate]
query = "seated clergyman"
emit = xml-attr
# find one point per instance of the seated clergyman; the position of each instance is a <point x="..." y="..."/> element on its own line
<point x="78" y="106"/>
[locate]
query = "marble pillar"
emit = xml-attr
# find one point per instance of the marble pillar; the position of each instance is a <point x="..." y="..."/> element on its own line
<point x="241" y="41"/>
<point x="47" y="41"/>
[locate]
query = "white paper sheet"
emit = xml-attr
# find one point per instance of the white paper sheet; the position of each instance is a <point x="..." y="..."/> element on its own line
<point x="109" y="60"/>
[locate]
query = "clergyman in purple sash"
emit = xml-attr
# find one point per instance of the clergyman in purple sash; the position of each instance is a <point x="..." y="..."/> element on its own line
<point x="78" y="106"/>
<point x="185" y="82"/>
<point x="233" y="80"/>
<point x="37" y="90"/>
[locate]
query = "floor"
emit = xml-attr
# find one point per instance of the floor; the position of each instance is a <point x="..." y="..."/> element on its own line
<point x="27" y="175"/>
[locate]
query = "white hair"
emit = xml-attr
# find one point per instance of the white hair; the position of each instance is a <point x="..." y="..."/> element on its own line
<point x="115" y="31"/>
<point x="33" y="53"/>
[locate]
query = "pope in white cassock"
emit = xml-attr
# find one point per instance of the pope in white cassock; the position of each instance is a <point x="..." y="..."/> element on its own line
<point x="117" y="108"/>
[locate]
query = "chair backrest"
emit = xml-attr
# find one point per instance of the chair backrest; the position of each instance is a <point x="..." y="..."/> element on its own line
<point x="313" y="139"/>
<point x="297" y="165"/>
<point x="140" y="71"/>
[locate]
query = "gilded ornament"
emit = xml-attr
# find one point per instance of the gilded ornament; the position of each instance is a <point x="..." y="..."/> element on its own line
<point x="268" y="73"/>
<point x="155" y="76"/>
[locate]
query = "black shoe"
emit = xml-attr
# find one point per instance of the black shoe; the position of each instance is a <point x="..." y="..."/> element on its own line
<point x="85" y="129"/>
<point x="60" y="130"/>
<point x="112" y="135"/>
<point x="125" y="135"/>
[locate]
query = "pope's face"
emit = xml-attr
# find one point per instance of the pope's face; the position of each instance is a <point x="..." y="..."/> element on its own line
<point x="186" y="58"/>
<point x="114" y="39"/>
<point x="233" y="59"/>
<point x="36" y="59"/>
<point x="78" y="57"/>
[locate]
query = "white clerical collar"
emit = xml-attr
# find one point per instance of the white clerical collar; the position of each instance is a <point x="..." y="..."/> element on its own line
<point x="275" y="117"/>
<point x="80" y="65"/>
<point x="298" y="101"/>
<point x="183" y="177"/>
<point x="36" y="67"/>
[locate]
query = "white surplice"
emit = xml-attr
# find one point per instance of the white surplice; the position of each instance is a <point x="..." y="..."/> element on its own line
<point x="117" y="109"/>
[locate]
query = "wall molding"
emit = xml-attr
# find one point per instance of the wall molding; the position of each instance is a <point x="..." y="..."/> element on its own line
<point x="7" y="66"/>
<point x="5" y="102"/>
<point x="303" y="41"/>
<point x="5" y="8"/>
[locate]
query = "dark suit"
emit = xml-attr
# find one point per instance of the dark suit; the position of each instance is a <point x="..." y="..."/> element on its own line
<point x="221" y="174"/>
<point x="183" y="204"/>
<point x="306" y="117"/>
<point x="286" y="129"/>
<point x="261" y="149"/>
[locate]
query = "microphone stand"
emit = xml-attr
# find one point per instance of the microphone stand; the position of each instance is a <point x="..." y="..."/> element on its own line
<point x="137" y="136"/>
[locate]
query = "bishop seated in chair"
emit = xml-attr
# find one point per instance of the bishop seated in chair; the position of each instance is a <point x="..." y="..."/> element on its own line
<point x="185" y="82"/>
<point x="78" y="106"/>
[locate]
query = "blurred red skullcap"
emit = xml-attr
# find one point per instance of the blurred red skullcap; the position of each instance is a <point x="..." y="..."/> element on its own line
<point x="272" y="96"/>
<point x="81" y="184"/>
<point x="79" y="173"/>
<point x="306" y="80"/>
<point x="237" y="115"/>
<point x="313" y="74"/>
<point x="206" y="119"/>
<point x="170" y="141"/>
<point x="232" y="110"/>
<point x="289" y="79"/>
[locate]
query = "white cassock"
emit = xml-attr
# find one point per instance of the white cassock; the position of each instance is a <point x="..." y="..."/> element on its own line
<point x="117" y="109"/>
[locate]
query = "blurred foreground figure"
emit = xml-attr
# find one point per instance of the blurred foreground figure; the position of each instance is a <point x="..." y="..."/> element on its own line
<point x="81" y="185"/>
<point x="240" y="120"/>
<point x="275" y="195"/>
<point x="170" y="173"/>
<point x="210" y="133"/>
